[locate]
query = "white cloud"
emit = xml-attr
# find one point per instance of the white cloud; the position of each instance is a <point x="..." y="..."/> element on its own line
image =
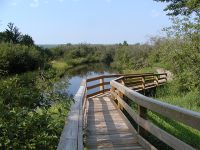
<point x="34" y="3"/>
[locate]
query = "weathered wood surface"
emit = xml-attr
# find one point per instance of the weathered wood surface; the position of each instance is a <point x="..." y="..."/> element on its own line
<point x="114" y="76"/>
<point x="72" y="135"/>
<point x="137" y="82"/>
<point x="187" y="117"/>
<point x="150" y="127"/>
<point x="107" y="127"/>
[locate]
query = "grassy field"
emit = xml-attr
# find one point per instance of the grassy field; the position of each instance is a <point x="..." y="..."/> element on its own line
<point x="189" y="101"/>
<point x="169" y="94"/>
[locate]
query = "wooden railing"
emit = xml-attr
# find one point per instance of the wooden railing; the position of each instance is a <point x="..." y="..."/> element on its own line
<point x="142" y="81"/>
<point x="135" y="80"/>
<point x="72" y="135"/>
<point x="120" y="87"/>
<point x="187" y="117"/>
<point x="99" y="82"/>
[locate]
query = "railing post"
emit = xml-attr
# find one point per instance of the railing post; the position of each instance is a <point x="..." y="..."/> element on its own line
<point x="122" y="81"/>
<point x="118" y="104"/>
<point x="156" y="79"/>
<point x="143" y="83"/>
<point x="166" y="77"/>
<point x="101" y="81"/>
<point x="121" y="95"/>
<point x="112" y="89"/>
<point x="142" y="113"/>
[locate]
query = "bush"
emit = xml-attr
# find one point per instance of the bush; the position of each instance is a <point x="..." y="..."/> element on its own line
<point x="131" y="57"/>
<point x="182" y="57"/>
<point x="41" y="128"/>
<point x="15" y="58"/>
<point x="32" y="110"/>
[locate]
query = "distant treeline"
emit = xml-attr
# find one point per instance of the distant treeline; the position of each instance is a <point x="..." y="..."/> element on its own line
<point x="118" y="55"/>
<point x="180" y="54"/>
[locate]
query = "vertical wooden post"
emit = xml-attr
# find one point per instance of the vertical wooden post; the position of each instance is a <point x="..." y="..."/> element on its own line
<point x="143" y="83"/>
<point x="142" y="113"/>
<point x="121" y="95"/>
<point x="112" y="89"/>
<point x="156" y="80"/>
<point x="101" y="81"/>
<point x="166" y="77"/>
<point x="122" y="81"/>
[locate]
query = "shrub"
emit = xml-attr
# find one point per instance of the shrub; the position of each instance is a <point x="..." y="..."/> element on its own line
<point x="15" y="58"/>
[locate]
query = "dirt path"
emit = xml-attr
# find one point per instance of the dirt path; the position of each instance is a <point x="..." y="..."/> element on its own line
<point x="169" y="74"/>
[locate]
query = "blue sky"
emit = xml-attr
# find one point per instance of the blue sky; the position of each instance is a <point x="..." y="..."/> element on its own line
<point x="88" y="21"/>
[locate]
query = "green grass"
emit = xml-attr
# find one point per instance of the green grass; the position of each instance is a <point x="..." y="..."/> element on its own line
<point x="190" y="100"/>
<point x="184" y="133"/>
<point x="169" y="94"/>
<point x="60" y="65"/>
<point x="143" y="70"/>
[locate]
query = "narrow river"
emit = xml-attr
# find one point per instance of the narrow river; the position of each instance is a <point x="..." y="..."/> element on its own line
<point x="77" y="74"/>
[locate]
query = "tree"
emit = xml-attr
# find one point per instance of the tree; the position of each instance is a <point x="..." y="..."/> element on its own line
<point x="26" y="40"/>
<point x="2" y="36"/>
<point x="125" y="43"/>
<point x="182" y="7"/>
<point x="12" y="34"/>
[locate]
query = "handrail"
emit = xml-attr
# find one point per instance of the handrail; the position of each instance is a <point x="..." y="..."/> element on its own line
<point x="72" y="135"/>
<point x="156" y="81"/>
<point x="113" y="75"/>
<point x="182" y="115"/>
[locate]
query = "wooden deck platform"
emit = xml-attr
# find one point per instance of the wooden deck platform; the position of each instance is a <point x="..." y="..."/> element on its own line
<point x="96" y="120"/>
<point x="107" y="127"/>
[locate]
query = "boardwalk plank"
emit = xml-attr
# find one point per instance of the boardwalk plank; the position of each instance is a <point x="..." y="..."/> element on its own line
<point x="106" y="127"/>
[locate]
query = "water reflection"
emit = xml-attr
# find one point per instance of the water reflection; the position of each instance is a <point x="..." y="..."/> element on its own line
<point x="75" y="75"/>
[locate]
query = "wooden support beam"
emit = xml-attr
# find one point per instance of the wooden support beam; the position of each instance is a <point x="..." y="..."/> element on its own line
<point x="187" y="117"/>
<point x="101" y="81"/>
<point x="142" y="111"/>
<point x="112" y="89"/>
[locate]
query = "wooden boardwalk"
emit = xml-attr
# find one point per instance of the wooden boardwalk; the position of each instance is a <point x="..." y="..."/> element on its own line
<point x="107" y="127"/>
<point x="97" y="120"/>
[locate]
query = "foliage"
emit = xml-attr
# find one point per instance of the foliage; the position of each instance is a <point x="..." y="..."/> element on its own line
<point x="183" y="58"/>
<point x="26" y="40"/>
<point x="180" y="53"/>
<point x="182" y="7"/>
<point x="15" y="58"/>
<point x="13" y="35"/>
<point x="83" y="54"/>
<point x="179" y="130"/>
<point x="32" y="110"/>
<point x="60" y="65"/>
<point x="22" y="128"/>
<point x="131" y="57"/>
<point x="119" y="56"/>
